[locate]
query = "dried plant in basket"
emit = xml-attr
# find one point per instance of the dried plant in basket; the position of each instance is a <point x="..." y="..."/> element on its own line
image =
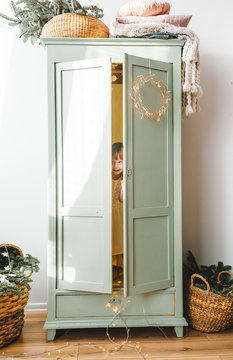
<point x="208" y="295"/>
<point x="32" y="15"/>
<point x="14" y="290"/>
<point x="210" y="273"/>
<point x="206" y="310"/>
<point x="14" y="268"/>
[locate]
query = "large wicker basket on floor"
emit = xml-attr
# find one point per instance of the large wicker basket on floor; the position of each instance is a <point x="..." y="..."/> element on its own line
<point x="75" y="25"/>
<point x="207" y="311"/>
<point x="12" y="310"/>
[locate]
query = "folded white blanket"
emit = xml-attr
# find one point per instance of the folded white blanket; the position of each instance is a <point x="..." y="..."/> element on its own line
<point x="190" y="57"/>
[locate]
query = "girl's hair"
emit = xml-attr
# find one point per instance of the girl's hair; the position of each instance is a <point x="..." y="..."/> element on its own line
<point x="116" y="147"/>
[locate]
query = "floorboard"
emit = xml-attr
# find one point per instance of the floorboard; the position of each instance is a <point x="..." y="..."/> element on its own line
<point x="87" y="344"/>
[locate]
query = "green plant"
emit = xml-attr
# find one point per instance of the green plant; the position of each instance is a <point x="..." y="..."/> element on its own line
<point x="210" y="273"/>
<point x="12" y="270"/>
<point x="32" y="15"/>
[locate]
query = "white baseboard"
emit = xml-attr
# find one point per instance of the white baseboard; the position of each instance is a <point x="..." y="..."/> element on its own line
<point x="36" y="307"/>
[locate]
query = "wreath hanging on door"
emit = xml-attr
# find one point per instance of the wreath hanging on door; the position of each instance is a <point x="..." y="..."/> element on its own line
<point x="165" y="96"/>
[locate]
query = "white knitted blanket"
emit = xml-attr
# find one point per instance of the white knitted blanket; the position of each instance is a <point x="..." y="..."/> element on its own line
<point x="190" y="57"/>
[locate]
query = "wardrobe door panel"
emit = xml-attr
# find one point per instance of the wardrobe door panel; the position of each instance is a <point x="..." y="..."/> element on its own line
<point x="83" y="92"/>
<point x="149" y="184"/>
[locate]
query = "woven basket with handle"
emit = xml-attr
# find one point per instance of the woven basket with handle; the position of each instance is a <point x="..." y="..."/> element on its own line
<point x="12" y="310"/>
<point x="207" y="311"/>
<point x="75" y="25"/>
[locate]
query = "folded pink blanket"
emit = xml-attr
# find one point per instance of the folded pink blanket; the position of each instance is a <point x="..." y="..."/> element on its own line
<point x="177" y="20"/>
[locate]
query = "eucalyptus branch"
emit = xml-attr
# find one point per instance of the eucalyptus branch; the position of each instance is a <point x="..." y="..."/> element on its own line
<point x="8" y="17"/>
<point x="31" y="31"/>
<point x="43" y="6"/>
<point x="34" y="14"/>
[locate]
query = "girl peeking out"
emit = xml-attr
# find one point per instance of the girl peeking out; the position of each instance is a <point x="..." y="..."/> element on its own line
<point x="117" y="212"/>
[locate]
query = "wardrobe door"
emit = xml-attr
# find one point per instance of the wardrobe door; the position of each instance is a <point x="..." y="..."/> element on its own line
<point x="83" y="115"/>
<point x="149" y="179"/>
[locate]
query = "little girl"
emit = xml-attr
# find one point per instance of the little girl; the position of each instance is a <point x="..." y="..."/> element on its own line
<point x="117" y="211"/>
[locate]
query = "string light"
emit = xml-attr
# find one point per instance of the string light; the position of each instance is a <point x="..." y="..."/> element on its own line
<point x="117" y="306"/>
<point x="121" y="306"/>
<point x="137" y="99"/>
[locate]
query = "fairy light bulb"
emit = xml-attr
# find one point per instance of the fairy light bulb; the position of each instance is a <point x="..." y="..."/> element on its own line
<point x="118" y="305"/>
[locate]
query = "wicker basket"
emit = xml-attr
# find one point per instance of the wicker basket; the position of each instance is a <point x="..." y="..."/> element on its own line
<point x="12" y="310"/>
<point x="207" y="311"/>
<point x="75" y="25"/>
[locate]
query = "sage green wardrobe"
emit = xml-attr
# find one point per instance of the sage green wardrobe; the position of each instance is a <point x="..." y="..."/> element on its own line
<point x="79" y="250"/>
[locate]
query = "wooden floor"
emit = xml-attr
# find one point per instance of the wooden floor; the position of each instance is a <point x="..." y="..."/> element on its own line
<point x="194" y="346"/>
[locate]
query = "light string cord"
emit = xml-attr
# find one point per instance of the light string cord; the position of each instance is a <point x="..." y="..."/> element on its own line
<point x="165" y="96"/>
<point x="154" y="324"/>
<point x="112" y="303"/>
<point x="59" y="350"/>
<point x="124" y="343"/>
<point x="117" y="345"/>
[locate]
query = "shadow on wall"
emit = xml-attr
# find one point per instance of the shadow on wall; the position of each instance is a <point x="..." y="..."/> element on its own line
<point x="23" y="152"/>
<point x="207" y="177"/>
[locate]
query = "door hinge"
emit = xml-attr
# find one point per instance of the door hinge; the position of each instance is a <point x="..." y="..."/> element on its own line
<point x="129" y="172"/>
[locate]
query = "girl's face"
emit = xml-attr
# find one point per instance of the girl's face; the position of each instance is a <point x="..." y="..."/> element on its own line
<point x="117" y="165"/>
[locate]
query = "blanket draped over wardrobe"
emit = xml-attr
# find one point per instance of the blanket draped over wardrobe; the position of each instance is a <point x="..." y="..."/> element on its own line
<point x="190" y="57"/>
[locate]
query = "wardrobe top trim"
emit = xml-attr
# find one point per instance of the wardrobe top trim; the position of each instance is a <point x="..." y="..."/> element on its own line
<point x="112" y="42"/>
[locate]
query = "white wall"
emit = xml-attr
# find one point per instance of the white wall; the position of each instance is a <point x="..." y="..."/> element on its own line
<point x="207" y="141"/>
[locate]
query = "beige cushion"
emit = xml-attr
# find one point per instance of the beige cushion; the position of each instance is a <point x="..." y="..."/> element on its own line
<point x="177" y="20"/>
<point x="144" y="8"/>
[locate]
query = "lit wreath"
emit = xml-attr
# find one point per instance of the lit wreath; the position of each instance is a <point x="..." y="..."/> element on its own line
<point x="138" y="103"/>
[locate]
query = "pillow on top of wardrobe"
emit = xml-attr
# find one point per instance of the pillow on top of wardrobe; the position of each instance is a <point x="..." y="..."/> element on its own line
<point x="144" y="8"/>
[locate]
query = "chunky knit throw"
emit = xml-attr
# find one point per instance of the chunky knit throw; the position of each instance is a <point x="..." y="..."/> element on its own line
<point x="190" y="57"/>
